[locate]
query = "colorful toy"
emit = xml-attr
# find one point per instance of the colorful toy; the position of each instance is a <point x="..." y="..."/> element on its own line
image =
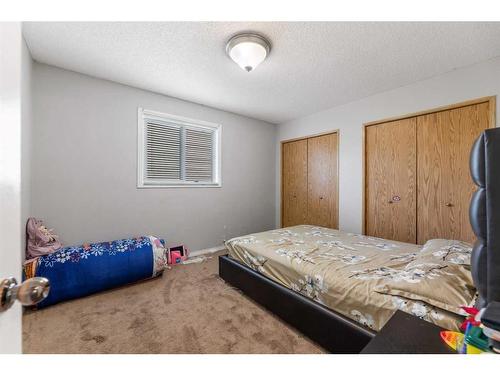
<point x="455" y="340"/>
<point x="473" y="340"/>
<point x="177" y="254"/>
<point x="474" y="336"/>
<point x="472" y="311"/>
<point x="175" y="257"/>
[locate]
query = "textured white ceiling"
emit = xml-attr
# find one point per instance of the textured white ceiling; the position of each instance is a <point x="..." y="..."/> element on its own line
<point x="312" y="65"/>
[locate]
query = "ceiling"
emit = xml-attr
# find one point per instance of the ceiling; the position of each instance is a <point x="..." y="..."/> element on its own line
<point x="312" y="66"/>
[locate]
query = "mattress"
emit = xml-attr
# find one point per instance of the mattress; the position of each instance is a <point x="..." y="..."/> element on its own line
<point x="329" y="266"/>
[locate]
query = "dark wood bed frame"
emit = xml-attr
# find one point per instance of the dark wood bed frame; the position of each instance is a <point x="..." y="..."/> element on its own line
<point x="338" y="334"/>
<point x="331" y="330"/>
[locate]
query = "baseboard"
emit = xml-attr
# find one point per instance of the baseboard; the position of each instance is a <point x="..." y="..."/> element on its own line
<point x="208" y="251"/>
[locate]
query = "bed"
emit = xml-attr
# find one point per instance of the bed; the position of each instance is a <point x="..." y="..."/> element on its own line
<point x="348" y="275"/>
<point x="347" y="272"/>
<point x="340" y="288"/>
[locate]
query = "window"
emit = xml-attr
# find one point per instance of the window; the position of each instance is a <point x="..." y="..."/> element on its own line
<point x="175" y="151"/>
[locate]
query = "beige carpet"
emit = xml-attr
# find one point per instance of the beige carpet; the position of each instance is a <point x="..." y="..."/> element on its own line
<point x="187" y="310"/>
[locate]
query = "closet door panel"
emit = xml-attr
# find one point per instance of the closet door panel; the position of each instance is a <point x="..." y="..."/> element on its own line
<point x="438" y="140"/>
<point x="322" y="181"/>
<point x="390" y="180"/>
<point x="294" y="183"/>
<point x="444" y="141"/>
<point x="473" y="120"/>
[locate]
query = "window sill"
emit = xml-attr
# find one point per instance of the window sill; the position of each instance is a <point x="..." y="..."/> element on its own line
<point x="163" y="186"/>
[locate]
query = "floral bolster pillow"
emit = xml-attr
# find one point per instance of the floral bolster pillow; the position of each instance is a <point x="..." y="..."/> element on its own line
<point x="78" y="271"/>
<point x="439" y="276"/>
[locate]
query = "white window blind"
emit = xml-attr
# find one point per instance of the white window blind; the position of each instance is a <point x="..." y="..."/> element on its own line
<point x="163" y="152"/>
<point x="175" y="151"/>
<point x="199" y="155"/>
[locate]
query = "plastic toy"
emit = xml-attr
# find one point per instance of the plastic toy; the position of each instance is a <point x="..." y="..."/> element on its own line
<point x="455" y="340"/>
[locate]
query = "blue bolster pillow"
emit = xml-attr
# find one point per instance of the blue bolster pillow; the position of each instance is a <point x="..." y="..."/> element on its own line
<point x="79" y="271"/>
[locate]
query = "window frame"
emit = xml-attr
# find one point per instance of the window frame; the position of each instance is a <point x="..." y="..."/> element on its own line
<point x="142" y="181"/>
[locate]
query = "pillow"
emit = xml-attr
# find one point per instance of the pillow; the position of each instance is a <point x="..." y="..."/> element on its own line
<point x="447" y="251"/>
<point x="439" y="276"/>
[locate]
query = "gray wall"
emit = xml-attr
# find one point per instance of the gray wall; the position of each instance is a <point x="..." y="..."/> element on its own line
<point x="85" y="158"/>
<point x="26" y="133"/>
<point x="459" y="85"/>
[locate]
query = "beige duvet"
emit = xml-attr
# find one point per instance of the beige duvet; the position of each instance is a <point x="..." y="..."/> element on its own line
<point x="342" y="271"/>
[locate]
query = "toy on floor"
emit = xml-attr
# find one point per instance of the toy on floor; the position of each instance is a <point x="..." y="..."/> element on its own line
<point x="455" y="340"/>
<point x="177" y="254"/>
<point x="473" y="340"/>
<point x="471" y="318"/>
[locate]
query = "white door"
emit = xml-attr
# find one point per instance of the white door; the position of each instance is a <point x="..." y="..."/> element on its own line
<point x="10" y="177"/>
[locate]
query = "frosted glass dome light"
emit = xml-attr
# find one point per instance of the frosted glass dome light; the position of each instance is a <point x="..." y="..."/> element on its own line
<point x="248" y="50"/>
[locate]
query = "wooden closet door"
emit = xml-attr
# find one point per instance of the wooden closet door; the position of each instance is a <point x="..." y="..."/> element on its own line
<point x="390" y="180"/>
<point x="322" y="177"/>
<point x="294" y="183"/>
<point x="445" y="187"/>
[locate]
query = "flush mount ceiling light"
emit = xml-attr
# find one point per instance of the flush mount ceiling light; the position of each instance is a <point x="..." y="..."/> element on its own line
<point x="248" y="50"/>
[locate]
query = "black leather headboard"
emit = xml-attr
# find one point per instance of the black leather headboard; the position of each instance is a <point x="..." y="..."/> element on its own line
<point x="484" y="216"/>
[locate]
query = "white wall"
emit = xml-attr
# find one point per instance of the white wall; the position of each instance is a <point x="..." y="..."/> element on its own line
<point x="459" y="85"/>
<point x="85" y="159"/>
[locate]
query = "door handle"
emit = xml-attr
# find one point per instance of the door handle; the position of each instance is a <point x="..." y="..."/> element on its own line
<point x="29" y="292"/>
<point x="449" y="204"/>
<point x="394" y="199"/>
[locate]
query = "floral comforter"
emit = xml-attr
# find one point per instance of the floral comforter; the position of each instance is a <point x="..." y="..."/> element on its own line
<point x="341" y="271"/>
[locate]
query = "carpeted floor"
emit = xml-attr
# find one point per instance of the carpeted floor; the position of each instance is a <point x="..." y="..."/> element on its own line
<point x="187" y="310"/>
